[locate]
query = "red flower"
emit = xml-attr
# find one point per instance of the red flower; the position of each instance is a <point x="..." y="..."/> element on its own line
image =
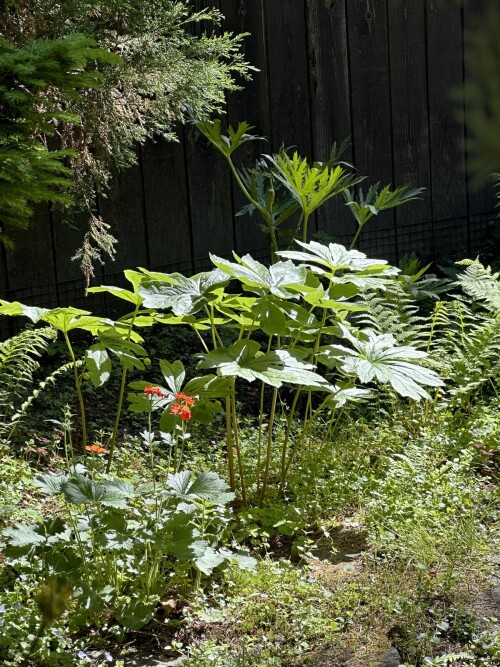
<point x="96" y="449"/>
<point x="188" y="400"/>
<point x="182" y="411"/>
<point x="432" y="574"/>
<point x="185" y="413"/>
<point x="154" y="390"/>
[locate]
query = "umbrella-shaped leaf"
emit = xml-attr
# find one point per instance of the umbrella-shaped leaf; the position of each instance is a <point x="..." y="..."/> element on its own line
<point x="377" y="358"/>
<point x="244" y="360"/>
<point x="184" y="296"/>
<point x="15" y="308"/>
<point x="334" y="257"/>
<point x="209" y="386"/>
<point x="283" y="279"/>
<point x="270" y="316"/>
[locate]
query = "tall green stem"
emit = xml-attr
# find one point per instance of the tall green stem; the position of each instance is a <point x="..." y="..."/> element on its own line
<point x="269" y="445"/>
<point x="114" y="434"/>
<point x="304" y="227"/>
<point x="263" y="212"/>
<point x="78" y="390"/>
<point x="287" y="437"/>
<point x="229" y="445"/>
<point x="358" y="232"/>
<point x="237" y="447"/>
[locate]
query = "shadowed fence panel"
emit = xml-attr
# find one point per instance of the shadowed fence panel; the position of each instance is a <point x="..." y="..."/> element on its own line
<point x="381" y="71"/>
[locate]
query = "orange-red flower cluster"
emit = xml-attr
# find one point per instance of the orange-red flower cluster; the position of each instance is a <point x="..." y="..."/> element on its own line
<point x="188" y="400"/>
<point x="154" y="390"/>
<point x="182" y="407"/>
<point x="96" y="449"/>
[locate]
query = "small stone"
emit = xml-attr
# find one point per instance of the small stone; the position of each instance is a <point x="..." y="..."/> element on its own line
<point x="391" y="659"/>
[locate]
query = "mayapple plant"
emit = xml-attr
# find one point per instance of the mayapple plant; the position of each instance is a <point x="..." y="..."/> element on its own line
<point x="282" y="187"/>
<point x="283" y="326"/>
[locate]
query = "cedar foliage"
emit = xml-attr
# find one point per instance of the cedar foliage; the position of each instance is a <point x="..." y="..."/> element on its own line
<point x="29" y="76"/>
<point x="174" y="61"/>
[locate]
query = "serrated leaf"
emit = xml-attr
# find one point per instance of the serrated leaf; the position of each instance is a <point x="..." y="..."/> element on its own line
<point x="209" y="560"/>
<point x="207" y="486"/>
<point x="334" y="257"/>
<point x="376" y="357"/>
<point x="50" y="483"/>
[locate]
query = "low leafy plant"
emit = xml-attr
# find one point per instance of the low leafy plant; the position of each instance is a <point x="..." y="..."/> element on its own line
<point x="122" y="547"/>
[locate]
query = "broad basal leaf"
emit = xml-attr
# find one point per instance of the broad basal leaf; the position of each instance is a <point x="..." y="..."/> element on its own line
<point x="207" y="485"/>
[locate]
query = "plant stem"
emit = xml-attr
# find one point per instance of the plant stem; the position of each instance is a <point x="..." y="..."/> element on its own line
<point x="355" y="238"/>
<point x="78" y="390"/>
<point x="287" y="437"/>
<point x="259" y="442"/>
<point x="269" y="445"/>
<point x="237" y="446"/>
<point x="112" y="442"/>
<point x="304" y="227"/>
<point x="263" y="212"/>
<point x="229" y="444"/>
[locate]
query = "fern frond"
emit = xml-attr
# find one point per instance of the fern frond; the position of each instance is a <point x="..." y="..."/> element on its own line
<point x="480" y="283"/>
<point x="18" y="362"/>
<point x="395" y="312"/>
<point x="50" y="379"/>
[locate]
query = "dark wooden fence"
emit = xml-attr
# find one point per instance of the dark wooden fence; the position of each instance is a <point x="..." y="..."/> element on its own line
<point x="379" y="71"/>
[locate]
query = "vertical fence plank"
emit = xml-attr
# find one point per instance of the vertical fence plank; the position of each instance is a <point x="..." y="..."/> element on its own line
<point x="410" y="123"/>
<point x="446" y="125"/>
<point x="330" y="100"/>
<point x="481" y="199"/>
<point x="288" y="75"/>
<point x="123" y="209"/>
<point x="31" y="265"/>
<point x="210" y="200"/>
<point x="250" y="104"/>
<point x="371" y="110"/>
<point x="166" y="205"/>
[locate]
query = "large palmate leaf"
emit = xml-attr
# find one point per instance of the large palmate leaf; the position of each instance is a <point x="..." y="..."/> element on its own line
<point x="15" y="308"/>
<point x="376" y="357"/>
<point x="207" y="486"/>
<point x="133" y="297"/>
<point x="335" y="257"/>
<point x="283" y="279"/>
<point x="174" y="374"/>
<point x="243" y="359"/>
<point x="184" y="296"/>
<point x="364" y="207"/>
